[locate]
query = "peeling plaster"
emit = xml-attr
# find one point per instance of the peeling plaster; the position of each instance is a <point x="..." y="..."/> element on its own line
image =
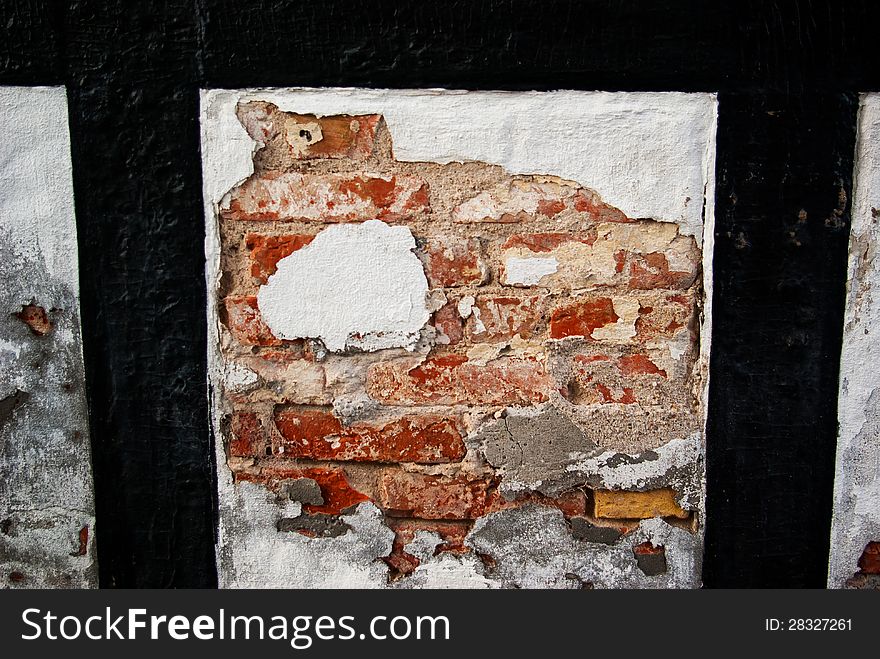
<point x="641" y="146"/>
<point x="532" y="547"/>
<point x="650" y="155"/>
<point x="46" y="498"/>
<point x="856" y="517"/>
<point x="354" y="285"/>
<point x="528" y="271"/>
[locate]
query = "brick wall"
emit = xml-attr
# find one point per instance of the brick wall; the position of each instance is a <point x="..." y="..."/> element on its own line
<point x="476" y="358"/>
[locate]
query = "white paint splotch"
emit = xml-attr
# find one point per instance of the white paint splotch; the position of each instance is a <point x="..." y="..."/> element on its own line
<point x="47" y="524"/>
<point x="856" y="519"/>
<point x="355" y="285"/>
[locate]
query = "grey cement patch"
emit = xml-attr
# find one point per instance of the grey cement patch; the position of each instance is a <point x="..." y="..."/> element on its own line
<point x="532" y="547"/>
<point x="533" y="448"/>
<point x="304" y="490"/>
<point x="46" y="500"/>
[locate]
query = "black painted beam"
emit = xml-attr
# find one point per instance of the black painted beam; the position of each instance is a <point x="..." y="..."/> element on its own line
<point x="784" y="181"/>
<point x="133" y="92"/>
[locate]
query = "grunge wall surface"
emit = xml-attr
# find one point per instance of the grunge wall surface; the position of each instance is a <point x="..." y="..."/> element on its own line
<point x="47" y="510"/>
<point x="438" y="362"/>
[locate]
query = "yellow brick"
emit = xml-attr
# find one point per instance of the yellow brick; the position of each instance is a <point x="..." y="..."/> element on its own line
<point x="613" y="504"/>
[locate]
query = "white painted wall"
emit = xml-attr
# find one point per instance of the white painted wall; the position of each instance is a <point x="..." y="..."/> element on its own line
<point x="856" y="519"/>
<point x="45" y="469"/>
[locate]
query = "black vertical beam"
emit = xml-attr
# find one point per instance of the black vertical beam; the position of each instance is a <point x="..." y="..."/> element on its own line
<point x="134" y="107"/>
<point x="784" y="166"/>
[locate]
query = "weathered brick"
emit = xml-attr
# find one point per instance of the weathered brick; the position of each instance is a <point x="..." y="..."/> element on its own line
<point x="869" y="562"/>
<point x="582" y="317"/>
<point x="306" y="136"/>
<point x="547" y="242"/>
<point x="497" y="318"/>
<point x="624" y="379"/>
<point x="524" y="197"/>
<point x="287" y="376"/>
<point x="452" y="380"/>
<point x="448" y="322"/>
<point x="266" y="251"/>
<point x="620" y="504"/>
<point x="319" y="435"/>
<point x="326" y="198"/>
<point x="247" y="435"/>
<point x="639" y="256"/>
<point x="402" y="562"/>
<point x="639" y="364"/>
<point x="36" y="318"/>
<point x="664" y="315"/>
<point x="623" y="319"/>
<point x="406" y="494"/>
<point x="242" y="318"/>
<point x="451" y="261"/>
<point x="338" y="494"/>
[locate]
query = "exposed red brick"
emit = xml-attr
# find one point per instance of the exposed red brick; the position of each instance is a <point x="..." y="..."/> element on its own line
<point x="319" y="435"/>
<point x="638" y="364"/>
<point x="523" y="197"/>
<point x="501" y="317"/>
<point x="448" y="322"/>
<point x="869" y="563"/>
<point x="338" y="494"/>
<point x="581" y="317"/>
<point x="82" y="542"/>
<point x="547" y="242"/>
<point x="266" y="251"/>
<point x="550" y="207"/>
<point x="664" y="319"/>
<point x="652" y="271"/>
<point x="647" y="549"/>
<point x="405" y="494"/>
<point x="451" y="380"/>
<point x="454" y="262"/>
<point x="247" y="437"/>
<point x="342" y="136"/>
<point x="626" y="398"/>
<point x="402" y="562"/>
<point x="242" y="318"/>
<point x="326" y="198"/>
<point x="36" y="318"/>
<point x="587" y="201"/>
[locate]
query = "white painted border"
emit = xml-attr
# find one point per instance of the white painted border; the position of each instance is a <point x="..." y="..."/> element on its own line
<point x="856" y="516"/>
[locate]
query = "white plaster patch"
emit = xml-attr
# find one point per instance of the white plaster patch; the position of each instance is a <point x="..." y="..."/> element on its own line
<point x="528" y="271"/>
<point x="355" y="284"/>
<point x="856" y="517"/>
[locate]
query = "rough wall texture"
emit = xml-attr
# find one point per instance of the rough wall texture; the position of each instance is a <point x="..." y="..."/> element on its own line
<point x="434" y="375"/>
<point x="855" y="529"/>
<point x="46" y="500"/>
